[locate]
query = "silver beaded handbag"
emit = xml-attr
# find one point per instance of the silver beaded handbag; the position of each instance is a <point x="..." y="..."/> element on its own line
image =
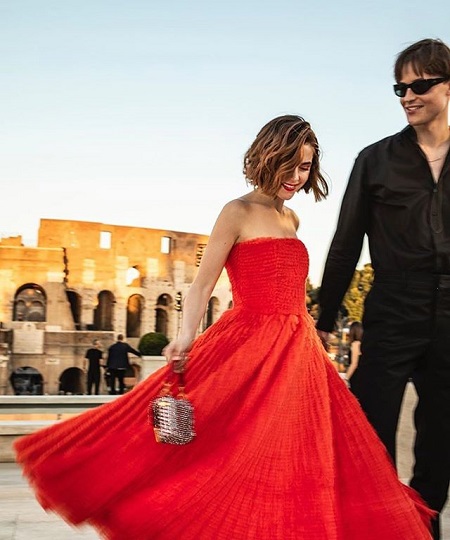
<point x="172" y="415"/>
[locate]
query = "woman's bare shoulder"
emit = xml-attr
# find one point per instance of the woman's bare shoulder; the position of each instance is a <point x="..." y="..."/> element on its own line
<point x="237" y="207"/>
<point x="230" y="220"/>
<point x="293" y="217"/>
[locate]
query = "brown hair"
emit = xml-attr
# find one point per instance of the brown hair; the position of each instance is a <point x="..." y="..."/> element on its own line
<point x="426" y="56"/>
<point x="356" y="332"/>
<point x="276" y="153"/>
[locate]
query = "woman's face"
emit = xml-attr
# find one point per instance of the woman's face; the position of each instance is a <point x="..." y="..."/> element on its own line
<point x="301" y="174"/>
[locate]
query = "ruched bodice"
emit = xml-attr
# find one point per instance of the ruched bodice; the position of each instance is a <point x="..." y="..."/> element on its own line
<point x="268" y="275"/>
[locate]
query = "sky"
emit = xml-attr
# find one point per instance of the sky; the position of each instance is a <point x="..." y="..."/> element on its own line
<point x="139" y="112"/>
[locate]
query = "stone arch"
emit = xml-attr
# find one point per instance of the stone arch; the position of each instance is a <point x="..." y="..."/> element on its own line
<point x="134" y="276"/>
<point x="71" y="381"/>
<point x="27" y="380"/>
<point x="75" y="306"/>
<point x="135" y="306"/>
<point x="30" y="303"/>
<point x="104" y="312"/>
<point x="163" y="304"/>
<point x="212" y="311"/>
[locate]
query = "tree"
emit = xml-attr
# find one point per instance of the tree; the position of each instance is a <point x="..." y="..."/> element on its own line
<point x="152" y="344"/>
<point x="312" y="299"/>
<point x="359" y="288"/>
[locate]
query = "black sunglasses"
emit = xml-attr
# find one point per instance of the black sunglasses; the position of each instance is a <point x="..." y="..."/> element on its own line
<point x="419" y="87"/>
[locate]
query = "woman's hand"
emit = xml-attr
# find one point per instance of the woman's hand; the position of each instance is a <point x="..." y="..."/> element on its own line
<point x="176" y="353"/>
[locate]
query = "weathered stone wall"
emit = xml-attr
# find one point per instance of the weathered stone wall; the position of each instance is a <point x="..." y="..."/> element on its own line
<point x="71" y="260"/>
<point x="130" y="247"/>
<point x="20" y="265"/>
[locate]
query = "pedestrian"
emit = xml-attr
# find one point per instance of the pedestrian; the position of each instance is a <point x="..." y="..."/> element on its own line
<point x="354" y="350"/>
<point x="118" y="363"/>
<point x="274" y="457"/>
<point x="398" y="195"/>
<point x="92" y="362"/>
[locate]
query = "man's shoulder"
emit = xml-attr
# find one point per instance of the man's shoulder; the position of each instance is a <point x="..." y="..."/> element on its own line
<point x="387" y="142"/>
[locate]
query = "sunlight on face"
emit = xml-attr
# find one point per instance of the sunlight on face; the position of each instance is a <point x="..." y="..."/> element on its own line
<point x="424" y="109"/>
<point x="301" y="174"/>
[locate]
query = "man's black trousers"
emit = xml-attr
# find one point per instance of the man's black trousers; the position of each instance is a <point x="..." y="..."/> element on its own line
<point x="93" y="380"/>
<point x="120" y="375"/>
<point x="407" y="337"/>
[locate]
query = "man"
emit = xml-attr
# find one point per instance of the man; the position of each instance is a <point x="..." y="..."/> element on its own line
<point x="118" y="363"/>
<point x="92" y="366"/>
<point x="399" y="195"/>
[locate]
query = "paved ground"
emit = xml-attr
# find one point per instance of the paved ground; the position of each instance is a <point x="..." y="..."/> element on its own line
<point x="21" y="518"/>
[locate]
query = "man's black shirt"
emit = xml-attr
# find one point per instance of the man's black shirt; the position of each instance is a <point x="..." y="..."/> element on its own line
<point x="94" y="356"/>
<point x="392" y="197"/>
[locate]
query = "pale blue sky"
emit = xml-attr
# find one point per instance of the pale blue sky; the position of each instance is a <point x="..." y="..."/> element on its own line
<point x="139" y="112"/>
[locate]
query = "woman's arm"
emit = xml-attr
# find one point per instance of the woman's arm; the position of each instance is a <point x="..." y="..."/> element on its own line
<point x="356" y="351"/>
<point x="223" y="236"/>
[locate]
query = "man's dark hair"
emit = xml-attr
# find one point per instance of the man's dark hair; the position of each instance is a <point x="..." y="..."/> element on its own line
<point x="430" y="56"/>
<point x="120" y="337"/>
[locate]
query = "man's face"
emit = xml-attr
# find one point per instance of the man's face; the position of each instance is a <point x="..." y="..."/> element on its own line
<point x="428" y="108"/>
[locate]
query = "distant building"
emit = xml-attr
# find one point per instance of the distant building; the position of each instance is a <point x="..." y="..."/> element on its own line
<point x="91" y="280"/>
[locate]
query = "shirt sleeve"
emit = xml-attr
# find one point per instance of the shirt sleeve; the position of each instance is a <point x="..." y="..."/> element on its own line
<point x="133" y="351"/>
<point x="345" y="247"/>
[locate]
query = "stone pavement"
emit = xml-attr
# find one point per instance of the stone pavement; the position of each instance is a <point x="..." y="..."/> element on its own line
<point x="21" y="518"/>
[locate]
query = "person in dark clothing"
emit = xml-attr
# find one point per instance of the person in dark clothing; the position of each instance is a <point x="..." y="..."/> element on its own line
<point x="92" y="359"/>
<point x="118" y="363"/>
<point x="399" y="195"/>
<point x="354" y="351"/>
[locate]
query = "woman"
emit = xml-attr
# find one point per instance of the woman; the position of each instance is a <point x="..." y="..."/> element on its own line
<point x="274" y="457"/>
<point x="354" y="351"/>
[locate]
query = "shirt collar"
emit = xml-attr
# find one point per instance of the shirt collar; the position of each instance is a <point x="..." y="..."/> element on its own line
<point x="409" y="132"/>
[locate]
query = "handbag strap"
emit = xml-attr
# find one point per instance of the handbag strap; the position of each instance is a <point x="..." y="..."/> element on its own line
<point x="181" y="384"/>
<point x="178" y="380"/>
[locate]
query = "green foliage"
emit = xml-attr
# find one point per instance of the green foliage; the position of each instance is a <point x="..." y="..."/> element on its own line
<point x="353" y="302"/>
<point x="357" y="292"/>
<point x="152" y="344"/>
<point x="312" y="299"/>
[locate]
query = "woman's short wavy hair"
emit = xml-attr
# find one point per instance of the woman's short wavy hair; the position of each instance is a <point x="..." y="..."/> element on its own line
<point x="430" y="56"/>
<point x="277" y="152"/>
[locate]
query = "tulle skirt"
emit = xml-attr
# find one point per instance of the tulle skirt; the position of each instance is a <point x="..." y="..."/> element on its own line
<point x="283" y="451"/>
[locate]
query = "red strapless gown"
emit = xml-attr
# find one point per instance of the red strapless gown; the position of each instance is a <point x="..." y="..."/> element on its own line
<point x="283" y="450"/>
